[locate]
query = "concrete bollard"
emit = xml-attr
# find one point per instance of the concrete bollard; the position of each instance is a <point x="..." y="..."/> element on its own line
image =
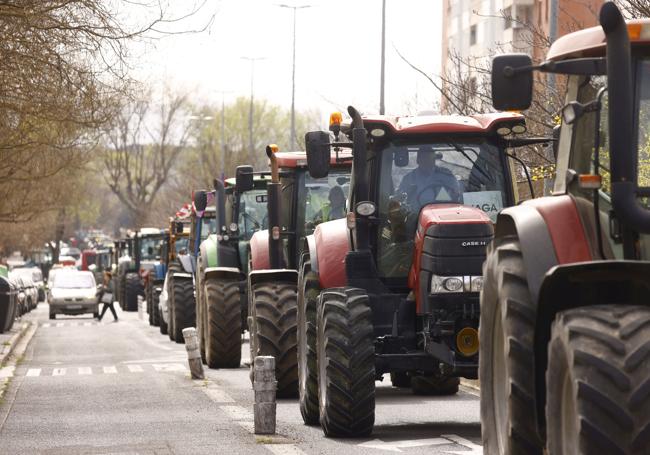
<point x="193" y="353"/>
<point x="264" y="386"/>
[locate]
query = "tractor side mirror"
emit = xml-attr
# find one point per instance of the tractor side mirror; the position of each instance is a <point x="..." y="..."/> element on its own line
<point x="244" y="178"/>
<point x="318" y="153"/>
<point x="179" y="227"/>
<point x="512" y="82"/>
<point x="200" y="200"/>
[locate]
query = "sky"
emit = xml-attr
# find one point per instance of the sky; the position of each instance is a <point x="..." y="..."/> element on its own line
<point x="338" y="48"/>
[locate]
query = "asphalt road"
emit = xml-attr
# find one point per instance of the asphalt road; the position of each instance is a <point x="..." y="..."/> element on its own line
<point x="84" y="387"/>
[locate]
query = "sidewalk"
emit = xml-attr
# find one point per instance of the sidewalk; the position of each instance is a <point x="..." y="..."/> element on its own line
<point x="10" y="338"/>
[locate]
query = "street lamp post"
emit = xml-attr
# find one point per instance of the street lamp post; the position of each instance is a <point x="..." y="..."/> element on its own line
<point x="293" y="74"/>
<point x="251" y="145"/>
<point x="382" y="108"/>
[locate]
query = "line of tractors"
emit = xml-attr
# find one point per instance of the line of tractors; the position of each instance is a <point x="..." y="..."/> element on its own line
<point x="399" y="247"/>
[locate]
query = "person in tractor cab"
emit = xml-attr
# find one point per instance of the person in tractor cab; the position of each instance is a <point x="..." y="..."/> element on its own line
<point x="335" y="208"/>
<point x="429" y="182"/>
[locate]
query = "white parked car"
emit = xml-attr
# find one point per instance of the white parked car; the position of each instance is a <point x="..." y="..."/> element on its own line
<point x="73" y="292"/>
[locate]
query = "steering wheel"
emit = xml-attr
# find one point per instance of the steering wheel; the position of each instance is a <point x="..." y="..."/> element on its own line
<point x="435" y="187"/>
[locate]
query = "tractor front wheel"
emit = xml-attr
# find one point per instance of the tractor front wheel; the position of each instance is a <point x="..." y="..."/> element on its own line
<point x="507" y="327"/>
<point x="274" y="332"/>
<point x="346" y="363"/>
<point x="308" y="292"/>
<point x="223" y="330"/>
<point x="597" y="381"/>
<point x="133" y="288"/>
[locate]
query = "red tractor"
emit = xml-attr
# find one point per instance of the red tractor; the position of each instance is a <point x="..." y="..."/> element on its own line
<point x="394" y="287"/>
<point x="296" y="204"/>
<point x="565" y="308"/>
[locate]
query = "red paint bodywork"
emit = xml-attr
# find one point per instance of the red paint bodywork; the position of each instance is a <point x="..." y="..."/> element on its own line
<point x="259" y="246"/>
<point x="84" y="258"/>
<point x="565" y="228"/>
<point x="332" y="244"/>
<point x="439" y="214"/>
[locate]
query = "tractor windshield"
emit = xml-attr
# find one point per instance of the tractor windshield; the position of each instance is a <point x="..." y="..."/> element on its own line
<point x="252" y="212"/>
<point x="325" y="199"/>
<point x="208" y="225"/>
<point x="150" y="248"/>
<point x="415" y="175"/>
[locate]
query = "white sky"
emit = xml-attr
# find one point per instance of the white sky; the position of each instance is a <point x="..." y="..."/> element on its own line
<point x="337" y="53"/>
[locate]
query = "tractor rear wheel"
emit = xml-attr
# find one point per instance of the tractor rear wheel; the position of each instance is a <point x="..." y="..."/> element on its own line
<point x="274" y="332"/>
<point x="434" y="385"/>
<point x="184" y="307"/>
<point x="597" y="381"/>
<point x="308" y="292"/>
<point x="223" y="330"/>
<point x="346" y="363"/>
<point x="133" y="289"/>
<point x="507" y="327"/>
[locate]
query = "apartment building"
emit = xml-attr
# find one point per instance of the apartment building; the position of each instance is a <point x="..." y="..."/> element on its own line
<point x="479" y="28"/>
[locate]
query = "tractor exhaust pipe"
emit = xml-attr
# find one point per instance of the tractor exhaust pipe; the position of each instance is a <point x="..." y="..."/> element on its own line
<point x="624" y="157"/>
<point x="360" y="176"/>
<point x="273" y="207"/>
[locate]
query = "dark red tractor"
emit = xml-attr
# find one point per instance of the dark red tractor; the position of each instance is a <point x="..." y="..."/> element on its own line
<point x="394" y="287"/>
<point x="565" y="308"/>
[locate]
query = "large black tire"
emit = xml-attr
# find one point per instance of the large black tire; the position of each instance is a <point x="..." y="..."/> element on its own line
<point x="598" y="381"/>
<point x="223" y="330"/>
<point x="274" y="332"/>
<point x="184" y="314"/>
<point x="346" y="363"/>
<point x="506" y="332"/>
<point x="133" y="289"/>
<point x="434" y="385"/>
<point x="308" y="292"/>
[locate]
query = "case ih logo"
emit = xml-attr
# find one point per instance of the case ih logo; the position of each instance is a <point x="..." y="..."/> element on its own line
<point x="474" y="243"/>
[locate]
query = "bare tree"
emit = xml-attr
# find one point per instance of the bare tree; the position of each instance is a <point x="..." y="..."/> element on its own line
<point x="138" y="158"/>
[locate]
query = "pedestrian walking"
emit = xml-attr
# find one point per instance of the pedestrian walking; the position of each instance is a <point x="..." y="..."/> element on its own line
<point x="106" y="296"/>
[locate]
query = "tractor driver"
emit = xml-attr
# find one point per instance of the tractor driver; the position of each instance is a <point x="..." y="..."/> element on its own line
<point x="428" y="182"/>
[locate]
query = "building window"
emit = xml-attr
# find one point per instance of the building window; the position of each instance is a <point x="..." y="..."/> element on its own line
<point x="472" y="35"/>
<point x="507" y="16"/>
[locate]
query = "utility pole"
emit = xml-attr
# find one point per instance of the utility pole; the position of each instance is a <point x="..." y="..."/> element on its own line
<point x="382" y="107"/>
<point x="251" y="145"/>
<point x="293" y="74"/>
<point x="223" y="136"/>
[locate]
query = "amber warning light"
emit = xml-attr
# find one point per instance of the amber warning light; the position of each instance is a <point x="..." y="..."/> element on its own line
<point x="336" y="118"/>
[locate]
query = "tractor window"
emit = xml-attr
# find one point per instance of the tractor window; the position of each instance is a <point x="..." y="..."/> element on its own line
<point x="150" y="248"/>
<point x="643" y="78"/>
<point x="181" y="245"/>
<point x="208" y="225"/>
<point x="325" y="199"/>
<point x="413" y="176"/>
<point x="253" y="215"/>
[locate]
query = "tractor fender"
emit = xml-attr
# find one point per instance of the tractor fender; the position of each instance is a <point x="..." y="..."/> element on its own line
<point x="331" y="240"/>
<point x="582" y="284"/>
<point x="273" y="276"/>
<point x="259" y="248"/>
<point x="228" y="273"/>
<point x="550" y="233"/>
<point x="186" y="262"/>
<point x="208" y="251"/>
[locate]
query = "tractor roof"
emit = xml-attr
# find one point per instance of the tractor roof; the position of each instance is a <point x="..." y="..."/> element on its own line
<point x="441" y="124"/>
<point x="262" y="179"/>
<point x="590" y="42"/>
<point x="299" y="159"/>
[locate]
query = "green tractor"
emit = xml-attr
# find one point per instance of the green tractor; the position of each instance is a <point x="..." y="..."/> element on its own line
<point x="222" y="267"/>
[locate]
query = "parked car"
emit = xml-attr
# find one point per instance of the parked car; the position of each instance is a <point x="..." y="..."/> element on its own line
<point x="35" y="274"/>
<point x="27" y="294"/>
<point x="7" y="304"/>
<point x="73" y="292"/>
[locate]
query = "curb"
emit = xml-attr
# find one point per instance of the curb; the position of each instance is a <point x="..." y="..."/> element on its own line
<point x="473" y="384"/>
<point x="13" y="341"/>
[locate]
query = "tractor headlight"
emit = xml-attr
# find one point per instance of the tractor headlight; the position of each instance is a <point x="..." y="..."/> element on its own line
<point x="366" y="208"/>
<point x="444" y="284"/>
<point x="476" y="284"/>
